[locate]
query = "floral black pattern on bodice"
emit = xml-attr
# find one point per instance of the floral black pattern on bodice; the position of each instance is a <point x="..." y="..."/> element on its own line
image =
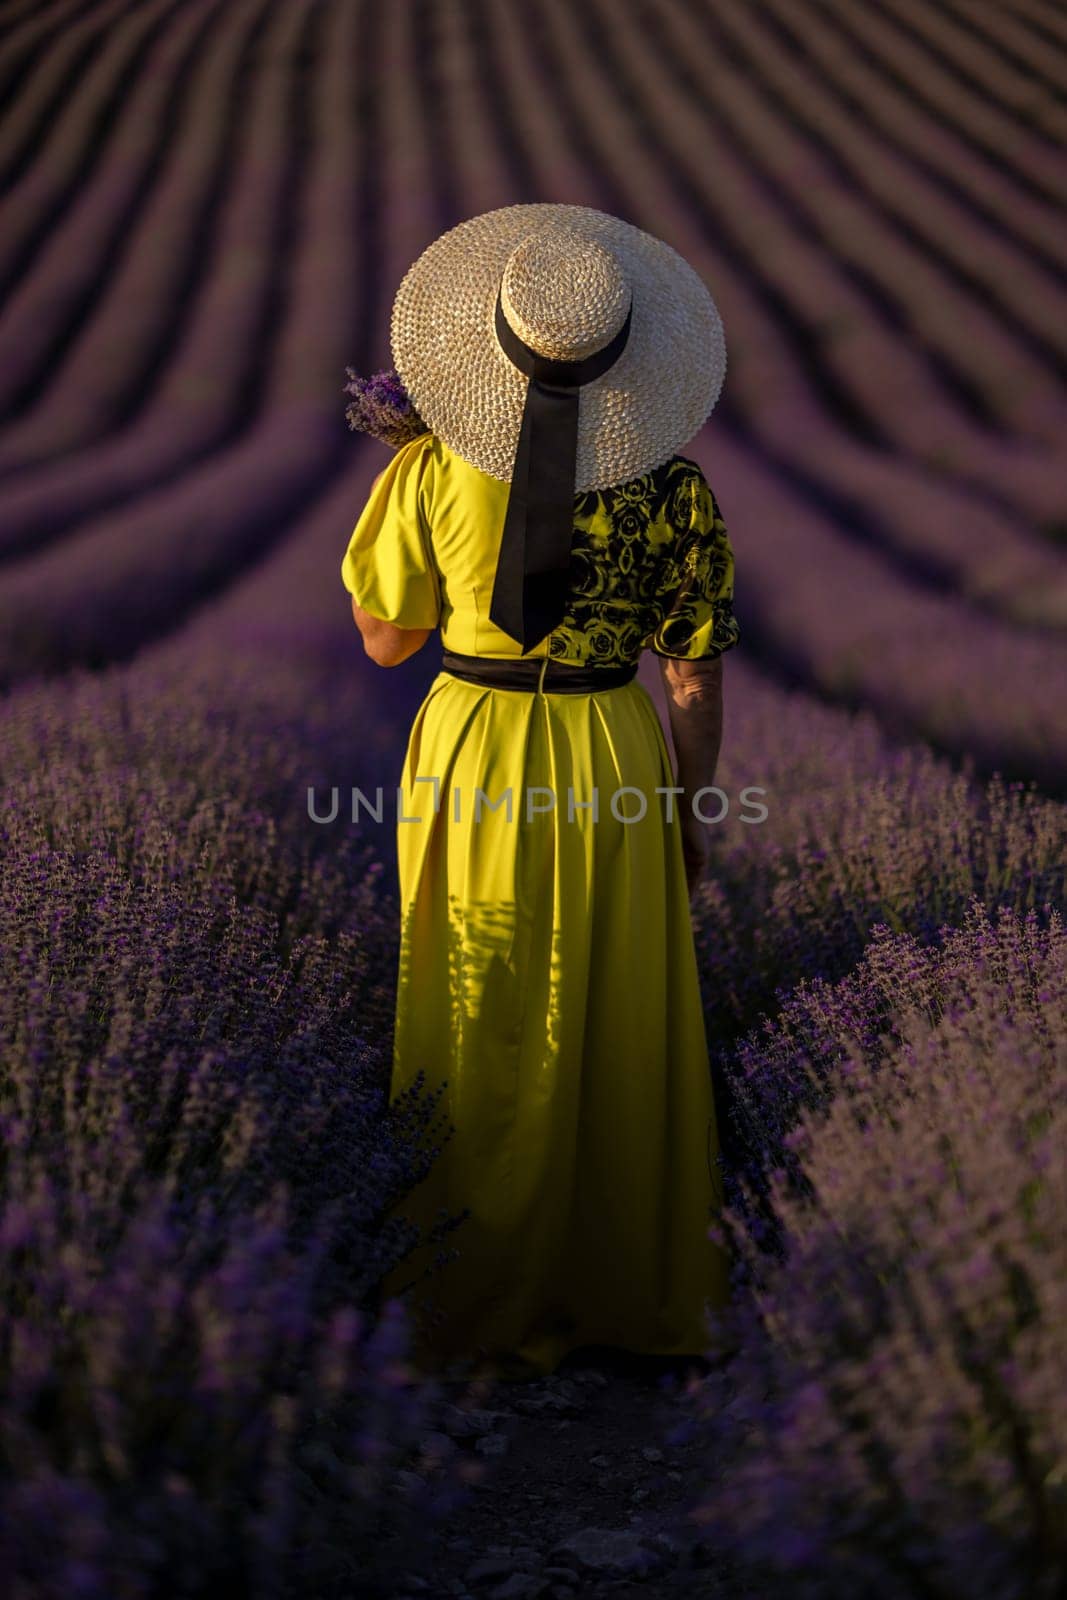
<point x="651" y="565"/>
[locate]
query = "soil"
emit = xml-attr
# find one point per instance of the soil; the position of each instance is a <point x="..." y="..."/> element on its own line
<point x="580" y="1484"/>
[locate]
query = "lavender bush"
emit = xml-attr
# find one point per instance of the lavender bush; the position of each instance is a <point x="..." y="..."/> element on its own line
<point x="860" y="831"/>
<point x="382" y="407"/>
<point x="198" y="1385"/>
<point x="897" y="1424"/>
<point x="176" y="1416"/>
<point x="790" y="1061"/>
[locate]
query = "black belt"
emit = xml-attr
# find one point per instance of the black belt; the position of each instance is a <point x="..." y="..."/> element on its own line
<point x="525" y="672"/>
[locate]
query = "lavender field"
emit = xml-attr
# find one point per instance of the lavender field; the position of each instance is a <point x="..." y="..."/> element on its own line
<point x="206" y="210"/>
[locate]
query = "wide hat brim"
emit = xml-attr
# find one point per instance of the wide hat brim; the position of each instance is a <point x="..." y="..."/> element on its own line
<point x="650" y="403"/>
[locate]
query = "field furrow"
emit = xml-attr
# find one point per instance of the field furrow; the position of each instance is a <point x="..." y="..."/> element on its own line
<point x="978" y="119"/>
<point x="813" y="152"/>
<point x="183" y="352"/>
<point x="1046" y="23"/>
<point x="148" y="562"/>
<point x="1005" y="35"/>
<point x="69" y="238"/>
<point x="52" y="57"/>
<point x="961" y="46"/>
<point x="801" y="231"/>
<point x="115" y="359"/>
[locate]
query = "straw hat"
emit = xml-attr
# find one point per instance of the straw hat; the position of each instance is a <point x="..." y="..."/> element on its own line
<point x="567" y="278"/>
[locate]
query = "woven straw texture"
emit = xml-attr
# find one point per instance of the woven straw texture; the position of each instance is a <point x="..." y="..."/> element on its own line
<point x="565" y="276"/>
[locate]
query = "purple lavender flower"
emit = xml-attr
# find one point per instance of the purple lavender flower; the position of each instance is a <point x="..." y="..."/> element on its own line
<point x="382" y="407"/>
<point x="892" y="1409"/>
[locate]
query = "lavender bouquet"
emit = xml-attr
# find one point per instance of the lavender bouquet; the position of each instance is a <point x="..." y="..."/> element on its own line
<point x="382" y="407"/>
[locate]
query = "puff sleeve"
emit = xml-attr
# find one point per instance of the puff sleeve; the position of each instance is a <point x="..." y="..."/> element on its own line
<point x="389" y="567"/>
<point x="700" y="623"/>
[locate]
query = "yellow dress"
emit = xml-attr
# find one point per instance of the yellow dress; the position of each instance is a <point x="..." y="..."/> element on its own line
<point x="547" y="972"/>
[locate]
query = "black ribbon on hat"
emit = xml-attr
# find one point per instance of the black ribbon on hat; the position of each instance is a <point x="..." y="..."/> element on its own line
<point x="530" y="588"/>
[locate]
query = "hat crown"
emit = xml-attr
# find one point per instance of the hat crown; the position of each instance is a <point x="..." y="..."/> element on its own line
<point x="563" y="293"/>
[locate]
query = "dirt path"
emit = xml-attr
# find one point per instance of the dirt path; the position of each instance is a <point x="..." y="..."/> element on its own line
<point x="580" y="1485"/>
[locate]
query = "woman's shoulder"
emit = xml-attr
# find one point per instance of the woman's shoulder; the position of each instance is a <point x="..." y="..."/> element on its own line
<point x="683" y="466"/>
<point x="665" y="477"/>
<point x="415" y="462"/>
<point x="677" y="477"/>
<point x="420" y="444"/>
<point x="438" y="456"/>
<point x="467" y="485"/>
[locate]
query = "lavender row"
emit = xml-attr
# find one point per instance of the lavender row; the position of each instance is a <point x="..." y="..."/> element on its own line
<point x="908" y="128"/>
<point x="197" y="400"/>
<point x="928" y="664"/>
<point x="830" y="176"/>
<point x="148" y="562"/>
<point x="1032" y="57"/>
<point x="981" y="120"/>
<point x="988" y="66"/>
<point x="860" y="831"/>
<point x="37" y="50"/>
<point x="894" y="1420"/>
<point x="197" y="1385"/>
<point x="780" y="212"/>
<point x="157" y="376"/>
<point x="824" y="216"/>
<point x="74" y="231"/>
<point x="1044" y="21"/>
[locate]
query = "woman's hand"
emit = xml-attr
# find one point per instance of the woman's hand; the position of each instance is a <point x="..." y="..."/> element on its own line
<point x="694" y="706"/>
<point x="696" y="849"/>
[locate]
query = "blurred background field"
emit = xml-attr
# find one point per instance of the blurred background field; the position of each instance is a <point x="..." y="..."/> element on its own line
<point x="206" y="210"/>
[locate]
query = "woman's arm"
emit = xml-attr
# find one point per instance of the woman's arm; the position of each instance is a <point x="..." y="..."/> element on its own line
<point x="694" y="705"/>
<point x="384" y="642"/>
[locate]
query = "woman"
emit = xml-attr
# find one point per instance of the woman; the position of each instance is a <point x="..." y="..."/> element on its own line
<point x="547" y="525"/>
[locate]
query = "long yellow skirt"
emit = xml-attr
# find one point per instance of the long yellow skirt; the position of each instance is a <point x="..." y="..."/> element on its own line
<point x="548" y="979"/>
